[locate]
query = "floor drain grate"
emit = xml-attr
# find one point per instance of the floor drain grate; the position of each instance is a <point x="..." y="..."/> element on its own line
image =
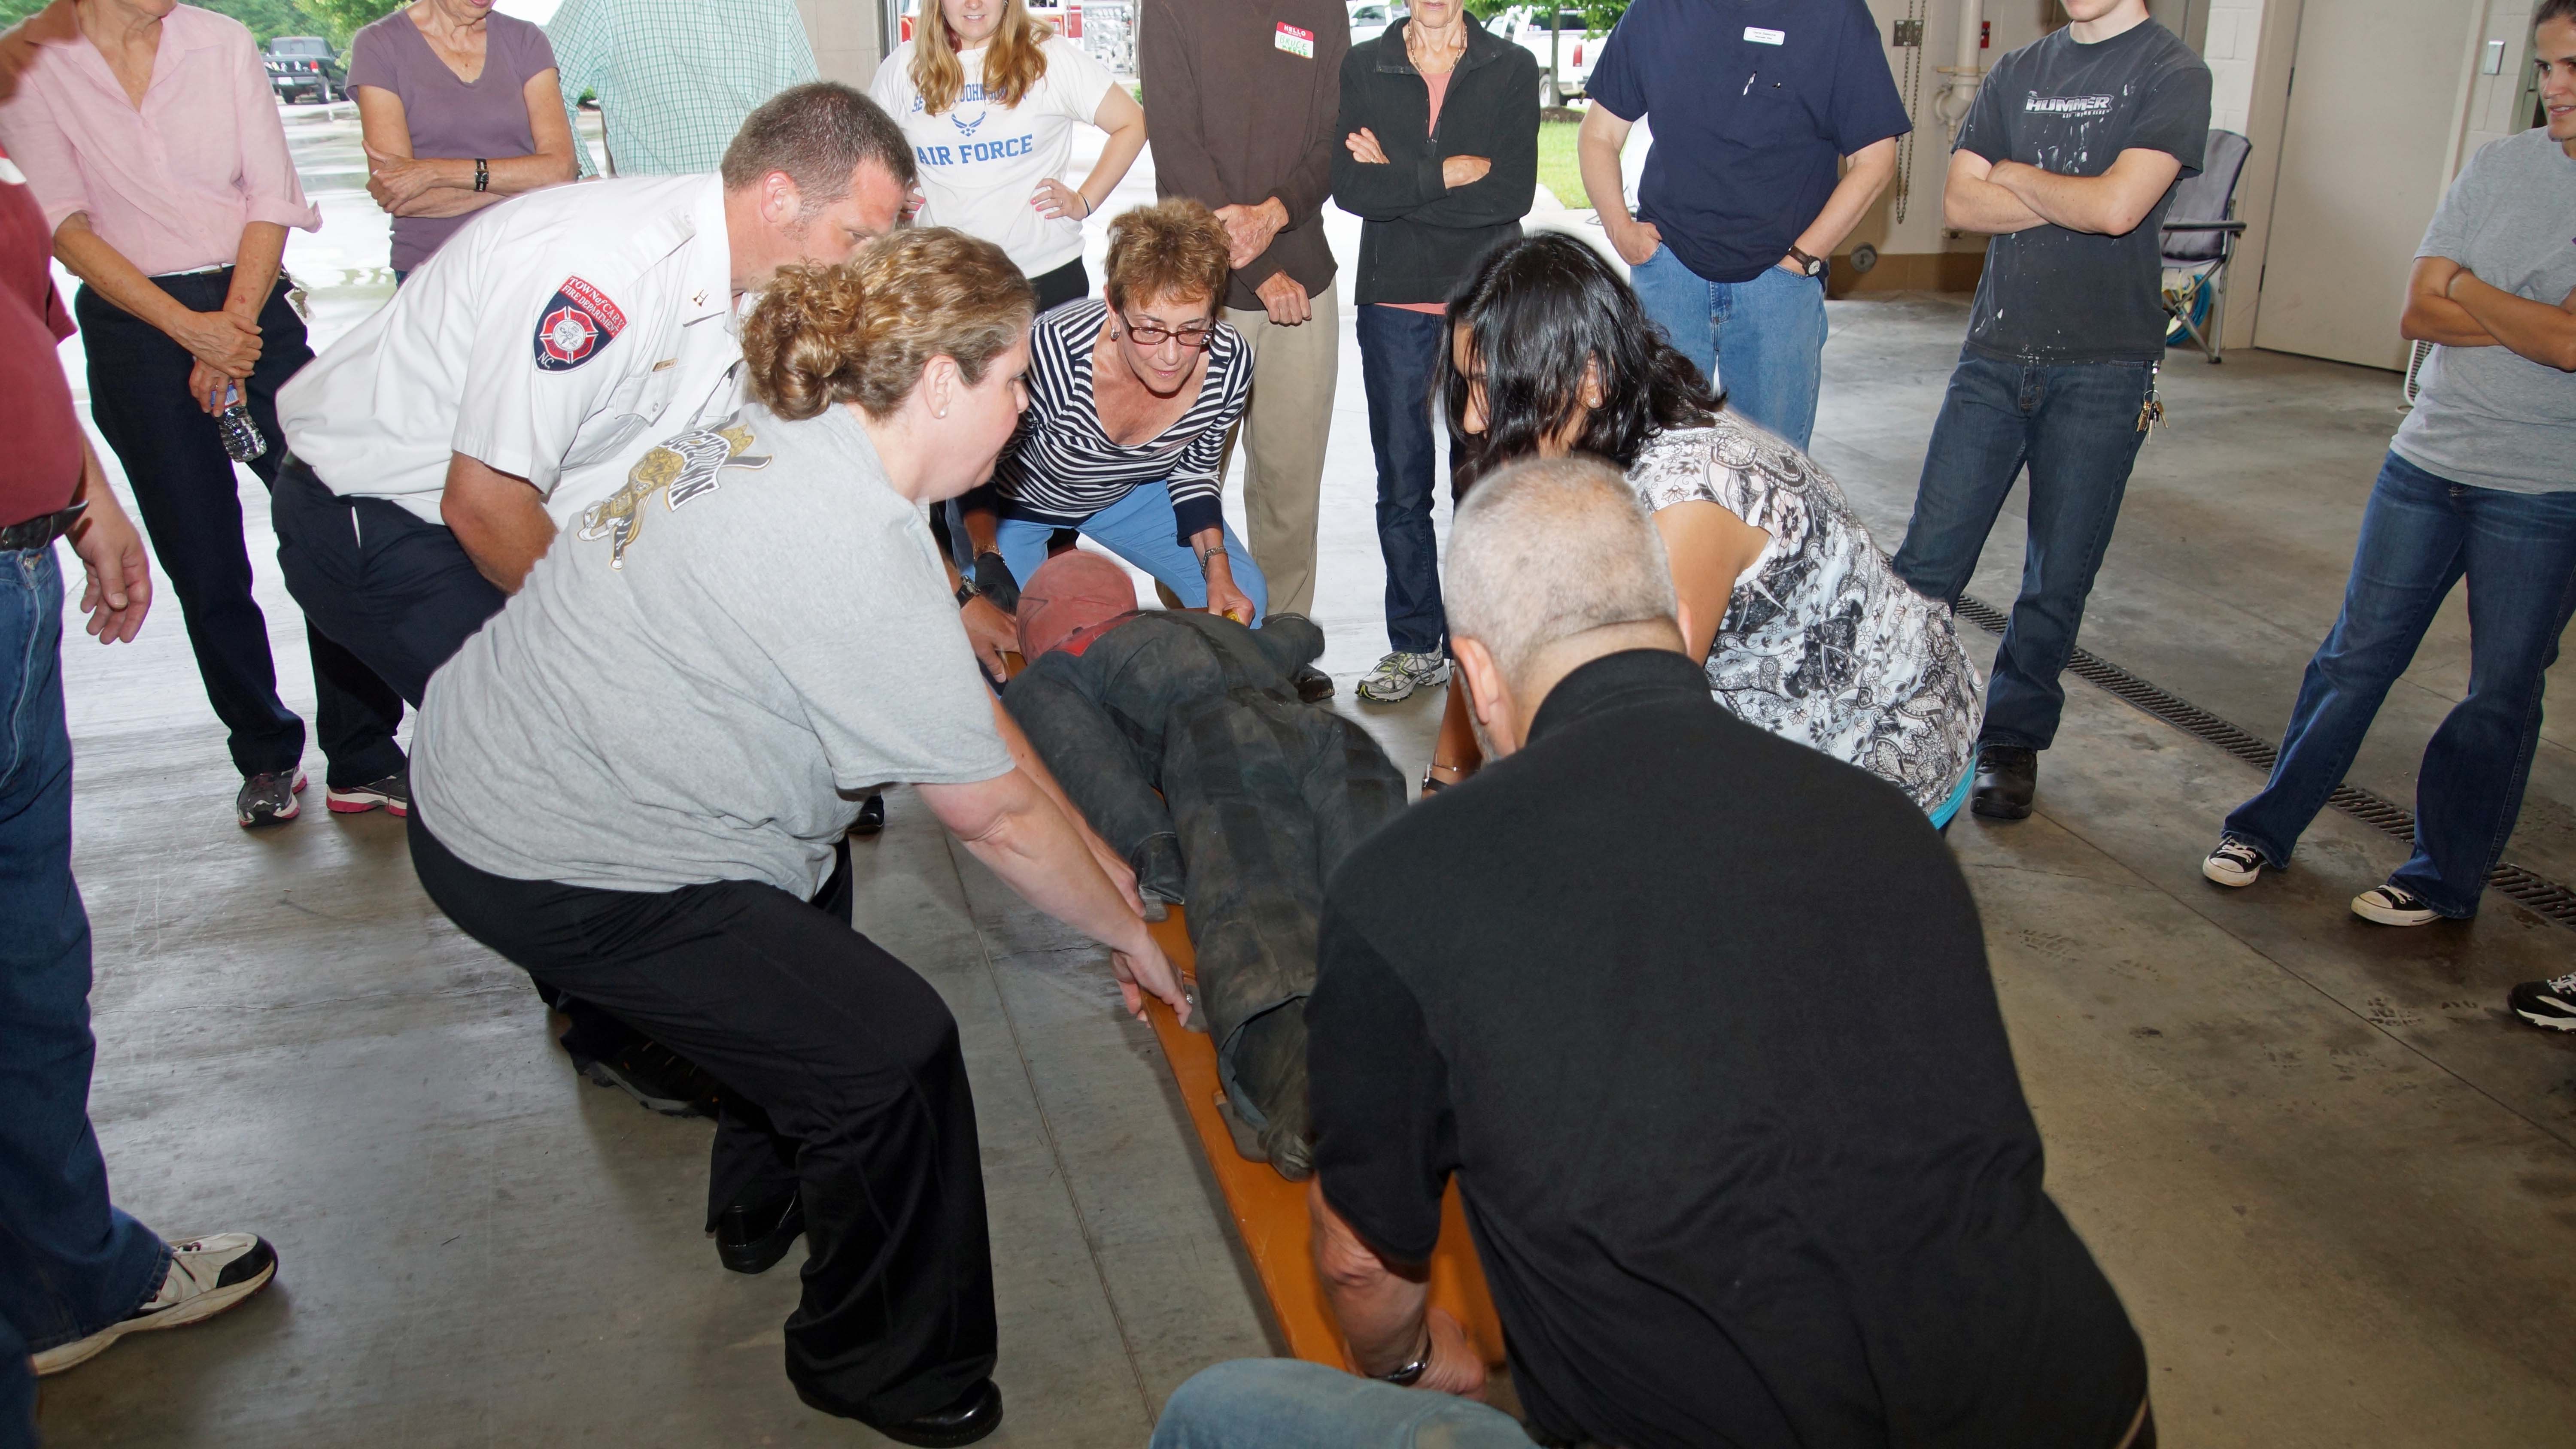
<point x="2545" y="897"/>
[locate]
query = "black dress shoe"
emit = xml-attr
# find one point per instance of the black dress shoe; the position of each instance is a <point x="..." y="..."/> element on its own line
<point x="752" y="1239"/>
<point x="975" y="1413"/>
<point x="1313" y="685"/>
<point x="2007" y="776"/>
<point x="871" y="817"/>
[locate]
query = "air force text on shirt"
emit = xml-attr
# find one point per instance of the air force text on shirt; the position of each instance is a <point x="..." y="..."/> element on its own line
<point x="966" y="150"/>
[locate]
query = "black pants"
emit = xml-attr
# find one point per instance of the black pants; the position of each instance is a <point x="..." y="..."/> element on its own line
<point x="1067" y="283"/>
<point x="393" y="586"/>
<point x="184" y="487"/>
<point x="847" y="1082"/>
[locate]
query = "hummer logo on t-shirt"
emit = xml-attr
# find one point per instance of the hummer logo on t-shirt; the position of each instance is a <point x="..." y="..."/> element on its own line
<point x="2076" y="106"/>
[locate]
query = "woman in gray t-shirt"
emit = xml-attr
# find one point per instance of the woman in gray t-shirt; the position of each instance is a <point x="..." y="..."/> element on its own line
<point x="637" y="781"/>
<point x="459" y="109"/>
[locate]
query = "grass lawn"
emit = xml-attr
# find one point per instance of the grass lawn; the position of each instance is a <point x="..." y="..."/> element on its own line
<point x="1557" y="170"/>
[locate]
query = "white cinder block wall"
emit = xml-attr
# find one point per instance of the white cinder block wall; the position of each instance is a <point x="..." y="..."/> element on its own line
<point x="2235" y="31"/>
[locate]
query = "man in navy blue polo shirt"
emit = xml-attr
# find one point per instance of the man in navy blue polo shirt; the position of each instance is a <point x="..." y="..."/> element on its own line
<point x="1755" y="102"/>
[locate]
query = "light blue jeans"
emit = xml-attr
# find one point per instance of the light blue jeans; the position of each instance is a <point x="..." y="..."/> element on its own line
<point x="1286" y="1403"/>
<point x="1138" y="528"/>
<point x="1762" y="340"/>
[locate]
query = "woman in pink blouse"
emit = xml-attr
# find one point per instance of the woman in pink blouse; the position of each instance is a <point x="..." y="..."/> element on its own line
<point x="154" y="147"/>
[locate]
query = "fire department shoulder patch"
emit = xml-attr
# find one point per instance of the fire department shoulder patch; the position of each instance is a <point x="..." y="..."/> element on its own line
<point x="574" y="324"/>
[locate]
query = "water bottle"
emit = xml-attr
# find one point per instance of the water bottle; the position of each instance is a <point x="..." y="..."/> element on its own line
<point x="241" y="435"/>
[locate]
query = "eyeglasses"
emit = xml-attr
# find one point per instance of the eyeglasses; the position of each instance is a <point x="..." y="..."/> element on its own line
<point x="1149" y="335"/>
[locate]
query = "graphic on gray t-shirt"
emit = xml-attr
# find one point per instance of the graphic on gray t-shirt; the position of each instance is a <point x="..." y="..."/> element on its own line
<point x="702" y="681"/>
<point x="2487" y="416"/>
<point x="2054" y="295"/>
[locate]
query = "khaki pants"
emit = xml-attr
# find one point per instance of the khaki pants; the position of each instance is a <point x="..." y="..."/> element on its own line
<point x="1283" y="433"/>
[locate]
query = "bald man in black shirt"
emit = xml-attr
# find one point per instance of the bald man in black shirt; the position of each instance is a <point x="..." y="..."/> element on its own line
<point x="1701" y="1020"/>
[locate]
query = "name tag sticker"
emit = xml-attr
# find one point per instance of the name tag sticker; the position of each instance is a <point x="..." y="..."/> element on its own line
<point x="1760" y="36"/>
<point x="1299" y="43"/>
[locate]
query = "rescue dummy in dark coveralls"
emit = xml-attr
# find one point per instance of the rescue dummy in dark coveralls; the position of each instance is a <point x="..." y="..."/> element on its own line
<point x="1261" y="796"/>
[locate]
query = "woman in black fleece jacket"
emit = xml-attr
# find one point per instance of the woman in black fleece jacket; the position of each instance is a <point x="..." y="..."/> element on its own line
<point x="1439" y="159"/>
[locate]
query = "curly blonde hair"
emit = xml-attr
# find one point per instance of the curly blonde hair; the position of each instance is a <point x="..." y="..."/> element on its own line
<point x="863" y="330"/>
<point x="1174" y="249"/>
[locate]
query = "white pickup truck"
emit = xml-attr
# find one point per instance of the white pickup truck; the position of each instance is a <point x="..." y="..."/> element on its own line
<point x="1576" y="47"/>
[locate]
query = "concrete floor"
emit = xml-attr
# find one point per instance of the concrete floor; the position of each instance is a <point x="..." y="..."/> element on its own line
<point x="2334" y="1182"/>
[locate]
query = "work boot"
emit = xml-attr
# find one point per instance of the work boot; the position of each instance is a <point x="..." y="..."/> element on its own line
<point x="2007" y="776"/>
<point x="1268" y="1057"/>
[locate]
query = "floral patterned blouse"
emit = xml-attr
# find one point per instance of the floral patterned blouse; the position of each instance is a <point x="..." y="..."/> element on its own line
<point x="1822" y="643"/>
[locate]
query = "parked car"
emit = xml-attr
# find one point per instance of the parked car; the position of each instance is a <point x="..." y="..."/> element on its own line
<point x="1370" y="18"/>
<point x="302" y="67"/>
<point x="1576" y="47"/>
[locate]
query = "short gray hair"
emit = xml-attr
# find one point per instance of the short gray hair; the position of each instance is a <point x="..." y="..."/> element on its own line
<point x="817" y="133"/>
<point x="1547" y="549"/>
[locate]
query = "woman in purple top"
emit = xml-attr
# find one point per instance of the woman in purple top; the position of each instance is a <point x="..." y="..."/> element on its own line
<point x="460" y="109"/>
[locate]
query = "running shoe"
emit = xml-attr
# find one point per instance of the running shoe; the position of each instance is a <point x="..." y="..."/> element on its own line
<point x="269" y="799"/>
<point x="392" y="794"/>
<point x="205" y="1277"/>
<point x="2233" y="863"/>
<point x="2550" y="1003"/>
<point x="1399" y="674"/>
<point x="2394" y="905"/>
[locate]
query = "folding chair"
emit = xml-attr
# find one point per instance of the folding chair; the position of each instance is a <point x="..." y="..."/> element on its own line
<point x="2200" y="240"/>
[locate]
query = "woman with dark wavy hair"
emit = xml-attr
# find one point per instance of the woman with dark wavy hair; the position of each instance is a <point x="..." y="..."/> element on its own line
<point x="1806" y="630"/>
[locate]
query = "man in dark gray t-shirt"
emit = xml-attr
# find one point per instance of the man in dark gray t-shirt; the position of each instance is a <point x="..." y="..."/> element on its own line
<point x="2479" y="484"/>
<point x="2067" y="160"/>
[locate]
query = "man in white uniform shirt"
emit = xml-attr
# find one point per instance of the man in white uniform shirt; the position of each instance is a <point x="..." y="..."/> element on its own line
<point x="520" y="373"/>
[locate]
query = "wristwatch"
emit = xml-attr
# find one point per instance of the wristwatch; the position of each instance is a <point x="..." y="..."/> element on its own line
<point x="1812" y="266"/>
<point x="966" y="591"/>
<point x="482" y="174"/>
<point x="1411" y="1374"/>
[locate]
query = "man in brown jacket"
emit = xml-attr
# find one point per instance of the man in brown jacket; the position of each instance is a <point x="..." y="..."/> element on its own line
<point x="1242" y="97"/>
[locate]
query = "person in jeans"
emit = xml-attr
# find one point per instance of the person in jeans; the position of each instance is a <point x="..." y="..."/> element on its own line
<point x="2479" y="484"/>
<point x="1755" y="106"/>
<point x="1131" y="395"/>
<point x="152" y="144"/>
<point x="1709" y="1212"/>
<point x="76" y="1272"/>
<point x="1244" y="97"/>
<point x="1439" y="159"/>
<point x="2068" y="159"/>
<point x="636" y="785"/>
<point x="675" y="79"/>
<point x="459" y="109"/>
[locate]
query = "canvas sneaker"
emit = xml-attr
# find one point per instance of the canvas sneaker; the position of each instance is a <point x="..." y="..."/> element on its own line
<point x="1399" y="674"/>
<point x="269" y="799"/>
<point x="392" y="794"/>
<point x="2394" y="905"/>
<point x="2550" y="1003"/>
<point x="205" y="1277"/>
<point x="2233" y="863"/>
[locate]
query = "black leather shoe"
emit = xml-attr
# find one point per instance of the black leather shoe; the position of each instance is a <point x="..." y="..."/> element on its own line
<point x="752" y="1239"/>
<point x="1313" y="685"/>
<point x="975" y="1413"/>
<point x="2007" y="776"/>
<point x="871" y="817"/>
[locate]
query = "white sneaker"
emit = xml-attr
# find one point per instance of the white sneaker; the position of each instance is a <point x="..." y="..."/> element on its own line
<point x="206" y="1276"/>
<point x="2233" y="863"/>
<point x="1399" y="674"/>
<point x="2394" y="905"/>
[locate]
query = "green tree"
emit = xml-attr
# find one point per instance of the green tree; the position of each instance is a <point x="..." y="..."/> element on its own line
<point x="1599" y="14"/>
<point x="267" y="19"/>
<point x="341" y="19"/>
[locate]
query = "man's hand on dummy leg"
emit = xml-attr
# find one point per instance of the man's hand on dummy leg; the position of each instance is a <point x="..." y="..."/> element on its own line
<point x="990" y="632"/>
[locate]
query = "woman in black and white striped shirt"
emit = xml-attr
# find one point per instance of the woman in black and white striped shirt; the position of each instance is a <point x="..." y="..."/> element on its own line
<point x="1130" y="400"/>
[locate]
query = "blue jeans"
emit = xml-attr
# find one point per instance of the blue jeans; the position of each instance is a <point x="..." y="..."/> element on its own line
<point x="1399" y="356"/>
<point x="1762" y="340"/>
<point x="70" y="1263"/>
<point x="1286" y="1403"/>
<point x="2076" y="426"/>
<point x="2419" y="535"/>
<point x="1139" y="529"/>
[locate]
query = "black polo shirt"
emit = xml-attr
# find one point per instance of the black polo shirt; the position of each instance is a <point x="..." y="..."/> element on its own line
<point x="1701" y="1020"/>
<point x="1753" y="104"/>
